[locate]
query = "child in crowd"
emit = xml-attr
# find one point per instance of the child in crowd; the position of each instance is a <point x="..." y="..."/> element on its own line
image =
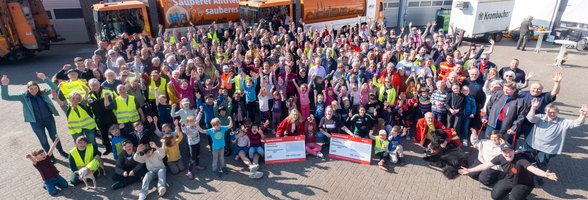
<point x="312" y="147"/>
<point x="116" y="141"/>
<point x="303" y="96"/>
<point x="217" y="132"/>
<point x="42" y="161"/>
<point x="163" y="111"/>
<point x="152" y="156"/>
<point x="256" y="136"/>
<point x="242" y="149"/>
<point x="171" y="146"/>
<point x="264" y="98"/>
<point x="191" y="131"/>
<point x="319" y="106"/>
<point x="277" y="106"/>
<point x="185" y="110"/>
<point x="395" y="148"/>
<point x="381" y="148"/>
<point x="145" y="134"/>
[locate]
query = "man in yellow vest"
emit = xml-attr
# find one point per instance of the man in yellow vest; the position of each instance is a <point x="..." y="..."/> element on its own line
<point x="83" y="155"/>
<point x="155" y="82"/>
<point x="381" y="148"/>
<point x="126" y="109"/>
<point x="72" y="85"/>
<point x="80" y="120"/>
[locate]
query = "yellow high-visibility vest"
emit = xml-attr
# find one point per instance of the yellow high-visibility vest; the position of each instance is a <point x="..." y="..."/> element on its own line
<point x="75" y="122"/>
<point x="379" y="148"/>
<point x="160" y="88"/>
<point x="126" y="112"/>
<point x="68" y="87"/>
<point x="88" y="160"/>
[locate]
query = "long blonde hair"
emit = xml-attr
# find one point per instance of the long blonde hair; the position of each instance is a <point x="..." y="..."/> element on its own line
<point x="294" y="113"/>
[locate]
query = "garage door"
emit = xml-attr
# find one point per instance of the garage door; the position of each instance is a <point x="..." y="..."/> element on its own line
<point x="68" y="20"/>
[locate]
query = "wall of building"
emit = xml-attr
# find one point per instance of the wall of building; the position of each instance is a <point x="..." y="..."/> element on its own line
<point x="68" y="20"/>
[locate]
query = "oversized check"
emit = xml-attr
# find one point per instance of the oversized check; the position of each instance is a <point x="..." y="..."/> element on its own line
<point x="354" y="149"/>
<point x="285" y="149"/>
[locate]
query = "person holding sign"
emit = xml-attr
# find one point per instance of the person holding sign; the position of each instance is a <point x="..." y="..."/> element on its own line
<point x="292" y="125"/>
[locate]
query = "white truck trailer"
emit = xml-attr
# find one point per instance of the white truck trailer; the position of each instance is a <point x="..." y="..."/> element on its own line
<point x="486" y="19"/>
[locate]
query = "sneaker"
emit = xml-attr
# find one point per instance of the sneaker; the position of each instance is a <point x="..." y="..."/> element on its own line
<point x="142" y="196"/>
<point x="320" y="155"/>
<point x="217" y="174"/>
<point x="225" y="170"/>
<point x="117" y="185"/>
<point x="253" y="168"/>
<point x="256" y="175"/>
<point x="161" y="191"/>
<point x="189" y="175"/>
<point x="465" y="143"/>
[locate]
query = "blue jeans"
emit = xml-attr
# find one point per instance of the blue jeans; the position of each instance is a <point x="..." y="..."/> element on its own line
<point x="39" y="129"/>
<point x="323" y="138"/>
<point x="149" y="176"/>
<point x="253" y="150"/>
<point x="89" y="133"/>
<point x="541" y="157"/>
<point x="50" y="184"/>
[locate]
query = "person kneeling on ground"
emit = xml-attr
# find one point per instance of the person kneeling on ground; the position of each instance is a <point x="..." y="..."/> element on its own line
<point x="83" y="155"/>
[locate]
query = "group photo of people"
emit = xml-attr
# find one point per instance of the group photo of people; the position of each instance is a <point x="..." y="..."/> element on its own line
<point x="155" y="105"/>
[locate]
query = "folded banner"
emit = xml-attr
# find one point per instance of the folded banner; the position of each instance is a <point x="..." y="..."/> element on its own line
<point x="285" y="149"/>
<point x="354" y="149"/>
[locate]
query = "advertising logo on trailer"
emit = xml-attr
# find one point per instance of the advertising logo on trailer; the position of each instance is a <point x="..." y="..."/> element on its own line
<point x="180" y="13"/>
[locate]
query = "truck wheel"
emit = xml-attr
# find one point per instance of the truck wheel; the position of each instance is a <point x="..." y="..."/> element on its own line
<point x="581" y="44"/>
<point x="498" y="37"/>
<point x="489" y="36"/>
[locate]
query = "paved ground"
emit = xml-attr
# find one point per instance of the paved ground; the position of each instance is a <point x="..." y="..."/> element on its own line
<point x="313" y="179"/>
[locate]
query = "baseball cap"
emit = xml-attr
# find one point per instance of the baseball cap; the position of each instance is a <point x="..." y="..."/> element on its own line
<point x="185" y="100"/>
<point x="72" y="71"/>
<point x="226" y="67"/>
<point x="506" y="147"/>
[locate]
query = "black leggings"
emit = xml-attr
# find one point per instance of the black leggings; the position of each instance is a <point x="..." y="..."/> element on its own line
<point x="517" y="191"/>
<point x="194" y="156"/>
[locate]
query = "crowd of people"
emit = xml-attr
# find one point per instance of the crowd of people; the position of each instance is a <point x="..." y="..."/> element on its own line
<point x="155" y="101"/>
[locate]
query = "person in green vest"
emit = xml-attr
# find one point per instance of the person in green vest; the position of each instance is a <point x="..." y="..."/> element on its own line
<point x="386" y="92"/>
<point x="80" y="120"/>
<point x="83" y="155"/>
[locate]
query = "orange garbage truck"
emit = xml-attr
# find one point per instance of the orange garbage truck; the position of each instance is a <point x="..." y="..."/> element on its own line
<point x="114" y="19"/>
<point x="24" y="28"/>
<point x="315" y="13"/>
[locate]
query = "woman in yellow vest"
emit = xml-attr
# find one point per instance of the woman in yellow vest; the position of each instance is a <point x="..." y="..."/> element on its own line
<point x="80" y="120"/>
<point x="83" y="155"/>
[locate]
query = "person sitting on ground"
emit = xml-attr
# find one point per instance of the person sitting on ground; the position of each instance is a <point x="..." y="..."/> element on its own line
<point x="243" y="143"/>
<point x="49" y="173"/>
<point x="381" y="148"/>
<point x="83" y="155"/>
<point x="395" y="148"/>
<point x="518" y="182"/>
<point x="152" y="156"/>
<point x="127" y="170"/>
<point x="487" y="150"/>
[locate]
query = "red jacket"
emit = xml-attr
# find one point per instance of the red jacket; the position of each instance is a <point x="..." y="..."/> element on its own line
<point x="285" y="128"/>
<point x="422" y="129"/>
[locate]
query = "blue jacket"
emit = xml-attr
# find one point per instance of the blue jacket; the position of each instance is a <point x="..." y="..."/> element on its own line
<point x="27" y="107"/>
<point x="470" y="106"/>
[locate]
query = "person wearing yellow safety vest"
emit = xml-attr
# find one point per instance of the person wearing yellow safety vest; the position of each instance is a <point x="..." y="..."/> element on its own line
<point x="72" y="85"/>
<point x="83" y="155"/>
<point x="381" y="148"/>
<point x="80" y="119"/>
<point x="153" y="83"/>
<point x="385" y="90"/>
<point x="126" y="109"/>
<point x="110" y="84"/>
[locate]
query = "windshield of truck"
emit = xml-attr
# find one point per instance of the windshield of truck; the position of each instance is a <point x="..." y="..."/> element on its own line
<point x="112" y="24"/>
<point x="278" y="15"/>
